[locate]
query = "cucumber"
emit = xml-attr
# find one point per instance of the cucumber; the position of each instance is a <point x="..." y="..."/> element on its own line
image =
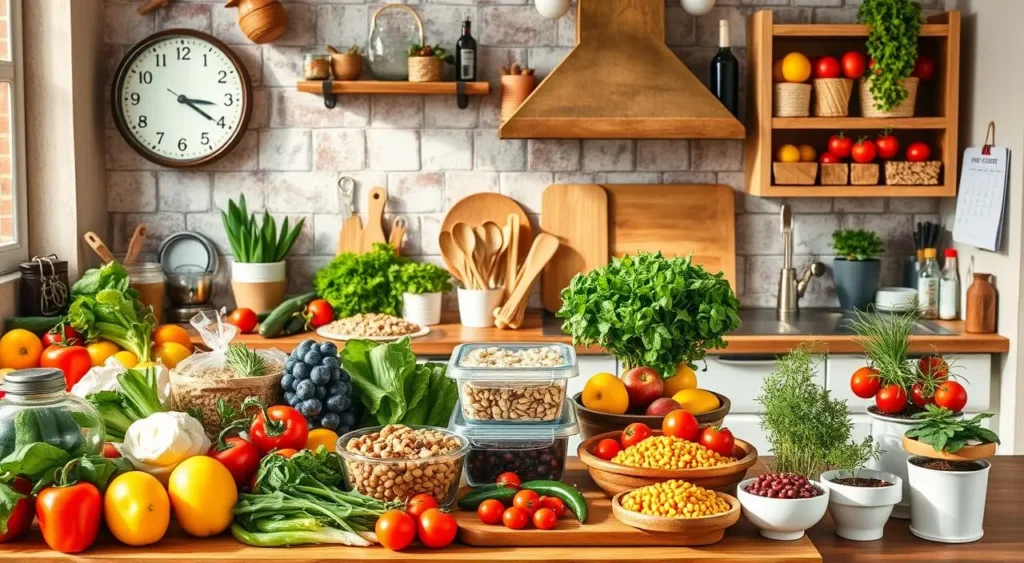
<point x="35" y="325"/>
<point x="71" y="438"/>
<point x="279" y="317"/>
<point x="295" y="325"/>
<point x="8" y="438"/>
<point x="573" y="498"/>
<point x="48" y="430"/>
<point x="473" y="498"/>
<point x="26" y="429"/>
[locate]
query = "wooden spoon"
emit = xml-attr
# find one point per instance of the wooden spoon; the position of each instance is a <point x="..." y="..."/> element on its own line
<point x="512" y="264"/>
<point x="465" y="240"/>
<point x="135" y="245"/>
<point x="454" y="256"/>
<point x="494" y="241"/>
<point x="481" y="254"/>
<point x="543" y="249"/>
<point x="97" y="245"/>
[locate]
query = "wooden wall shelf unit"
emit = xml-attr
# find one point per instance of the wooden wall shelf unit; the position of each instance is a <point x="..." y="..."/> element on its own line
<point x="935" y="119"/>
<point x="329" y="89"/>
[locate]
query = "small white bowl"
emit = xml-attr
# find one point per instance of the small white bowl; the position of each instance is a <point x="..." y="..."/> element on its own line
<point x="896" y="299"/>
<point x="782" y="518"/>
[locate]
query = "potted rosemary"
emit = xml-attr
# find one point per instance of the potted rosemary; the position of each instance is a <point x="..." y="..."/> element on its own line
<point x="258" y="274"/>
<point x="856" y="269"/>
<point x="422" y="285"/>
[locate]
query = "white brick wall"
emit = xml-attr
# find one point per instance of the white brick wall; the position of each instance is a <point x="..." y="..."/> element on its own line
<point x="429" y="154"/>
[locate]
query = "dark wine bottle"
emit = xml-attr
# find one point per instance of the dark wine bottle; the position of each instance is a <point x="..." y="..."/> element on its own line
<point x="465" y="55"/>
<point x="725" y="72"/>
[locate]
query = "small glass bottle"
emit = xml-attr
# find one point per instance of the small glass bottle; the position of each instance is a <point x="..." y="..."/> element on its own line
<point x="928" y="286"/>
<point x="149" y="280"/>
<point x="949" y="288"/>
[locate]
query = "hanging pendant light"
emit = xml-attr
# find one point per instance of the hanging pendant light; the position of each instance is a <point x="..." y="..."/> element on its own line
<point x="552" y="9"/>
<point x="697" y="7"/>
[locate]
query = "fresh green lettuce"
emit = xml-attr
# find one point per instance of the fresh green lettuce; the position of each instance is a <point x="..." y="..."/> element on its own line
<point x="106" y="307"/>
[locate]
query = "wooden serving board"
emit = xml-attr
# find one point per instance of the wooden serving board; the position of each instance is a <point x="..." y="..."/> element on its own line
<point x="478" y="208"/>
<point x="578" y="215"/>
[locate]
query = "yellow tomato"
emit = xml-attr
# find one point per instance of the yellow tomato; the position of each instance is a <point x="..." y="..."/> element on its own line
<point x="170" y="353"/>
<point x="20" y="349"/>
<point x="697" y="401"/>
<point x="788" y="153"/>
<point x="172" y="333"/>
<point x="796" y="68"/>
<point x="808" y="154"/>
<point x="684" y="378"/>
<point x="137" y="508"/>
<point x="127" y="359"/>
<point x="605" y="393"/>
<point x="322" y="437"/>
<point x="202" y="495"/>
<point x="100" y="350"/>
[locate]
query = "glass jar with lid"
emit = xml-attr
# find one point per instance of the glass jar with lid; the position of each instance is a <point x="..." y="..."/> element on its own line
<point x="149" y="280"/>
<point x="36" y="408"/>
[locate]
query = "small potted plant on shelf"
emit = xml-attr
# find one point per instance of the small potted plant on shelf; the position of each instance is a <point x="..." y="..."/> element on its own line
<point x="346" y="65"/>
<point x="258" y="277"/>
<point x="856" y="269"/>
<point x="860" y="500"/>
<point x="426" y="63"/>
<point x="422" y="285"/>
<point x="948" y="474"/>
<point x="888" y="89"/>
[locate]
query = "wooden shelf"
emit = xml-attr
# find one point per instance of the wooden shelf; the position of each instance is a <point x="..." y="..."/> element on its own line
<point x="398" y="87"/>
<point x="846" y="30"/>
<point x="860" y="191"/>
<point x="847" y="123"/>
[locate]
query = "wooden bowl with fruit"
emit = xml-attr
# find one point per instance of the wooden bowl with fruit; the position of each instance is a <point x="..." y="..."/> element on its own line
<point x="614" y="477"/>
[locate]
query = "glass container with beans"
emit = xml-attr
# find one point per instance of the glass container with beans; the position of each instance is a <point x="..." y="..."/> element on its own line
<point x="531" y="451"/>
<point x="512" y="383"/>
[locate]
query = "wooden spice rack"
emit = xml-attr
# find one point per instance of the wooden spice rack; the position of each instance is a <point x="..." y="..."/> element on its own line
<point x="329" y="89"/>
<point x="935" y="120"/>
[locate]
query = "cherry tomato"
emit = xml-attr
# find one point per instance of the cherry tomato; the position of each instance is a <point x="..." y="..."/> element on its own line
<point x="437" y="529"/>
<point x="865" y="382"/>
<point x="555" y="505"/>
<point x="864" y="151"/>
<point x="490" y="511"/>
<point x="395" y="530"/>
<point x="853" y="65"/>
<point x="934" y="367"/>
<point x="918" y="152"/>
<point x="924" y="68"/>
<point x="951" y="395"/>
<point x="62" y="333"/>
<point x="891" y="399"/>
<point x="318" y="313"/>
<point x="244" y="319"/>
<point x="840" y="145"/>
<point x="917" y="395"/>
<point x="635" y="433"/>
<point x="509" y="479"/>
<point x="827" y="67"/>
<point x="110" y="452"/>
<point x="515" y="518"/>
<point x="681" y="424"/>
<point x="419" y="504"/>
<point x="829" y="157"/>
<point x="719" y="440"/>
<point x="888" y="146"/>
<point x="526" y="500"/>
<point x="545" y="519"/>
<point x="607" y="448"/>
<point x="74" y="361"/>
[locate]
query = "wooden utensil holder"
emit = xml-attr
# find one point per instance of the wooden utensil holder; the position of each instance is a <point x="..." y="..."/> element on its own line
<point x="864" y="174"/>
<point x="832" y="97"/>
<point x="791" y="100"/>
<point x="426" y="69"/>
<point x="515" y="88"/>
<point x="835" y="174"/>
<point x="795" y="173"/>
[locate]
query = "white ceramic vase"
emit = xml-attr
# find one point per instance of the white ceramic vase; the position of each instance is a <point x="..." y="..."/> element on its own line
<point x="782" y="518"/>
<point x="860" y="513"/>
<point x="259" y="286"/>
<point x="423" y="309"/>
<point x="888" y="434"/>
<point x="947" y="506"/>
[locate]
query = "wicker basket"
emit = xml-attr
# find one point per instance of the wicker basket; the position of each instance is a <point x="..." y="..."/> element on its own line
<point x="832" y="97"/>
<point x="904" y="109"/>
<point x="835" y="174"/>
<point x="346" y="66"/>
<point x="795" y="173"/>
<point x="515" y="88"/>
<point x="426" y="69"/>
<point x="864" y="174"/>
<point x="792" y="100"/>
<point x="905" y="173"/>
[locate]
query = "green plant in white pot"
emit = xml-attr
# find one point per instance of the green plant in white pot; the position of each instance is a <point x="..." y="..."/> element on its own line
<point x="258" y="275"/>
<point x="856" y="269"/>
<point x="422" y="285"/>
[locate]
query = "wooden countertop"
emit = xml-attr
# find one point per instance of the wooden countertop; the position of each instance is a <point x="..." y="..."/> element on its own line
<point x="1003" y="541"/>
<point x="444" y="337"/>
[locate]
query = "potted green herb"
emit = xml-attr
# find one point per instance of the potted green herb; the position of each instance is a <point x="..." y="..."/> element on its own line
<point x="258" y="274"/>
<point x="426" y="63"/>
<point x="360" y="283"/>
<point x="889" y="90"/>
<point x="856" y="269"/>
<point x="422" y="285"/>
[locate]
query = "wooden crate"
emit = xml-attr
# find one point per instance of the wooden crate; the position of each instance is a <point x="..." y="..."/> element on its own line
<point x="835" y="174"/>
<point x="796" y="173"/>
<point x="864" y="174"/>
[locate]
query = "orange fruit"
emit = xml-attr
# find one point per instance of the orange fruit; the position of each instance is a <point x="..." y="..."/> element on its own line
<point x="100" y="350"/>
<point x="777" y="72"/>
<point x="605" y="393"/>
<point x="788" y="153"/>
<point x="684" y="378"/>
<point x="127" y="359"/>
<point x="796" y="67"/>
<point x="20" y="349"/>
<point x="808" y="154"/>
<point x="170" y="353"/>
<point x="172" y="333"/>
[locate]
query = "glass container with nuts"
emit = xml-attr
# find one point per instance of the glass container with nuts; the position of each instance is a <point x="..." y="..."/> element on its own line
<point x="522" y="383"/>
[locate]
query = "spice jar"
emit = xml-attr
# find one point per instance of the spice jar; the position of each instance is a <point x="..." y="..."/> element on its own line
<point x="316" y="66"/>
<point x="149" y="280"/>
<point x="43" y="288"/>
<point x="37" y="408"/>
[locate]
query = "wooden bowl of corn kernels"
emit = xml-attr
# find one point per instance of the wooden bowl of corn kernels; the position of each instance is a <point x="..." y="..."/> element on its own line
<point x="700" y="530"/>
<point x="614" y="478"/>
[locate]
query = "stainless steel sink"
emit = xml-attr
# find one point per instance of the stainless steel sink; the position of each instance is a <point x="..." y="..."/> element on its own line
<point x="812" y="322"/>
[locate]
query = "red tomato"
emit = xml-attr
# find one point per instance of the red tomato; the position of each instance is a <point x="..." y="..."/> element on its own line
<point x="853" y="65"/>
<point x="888" y="146"/>
<point x="891" y="399"/>
<point x="555" y="505"/>
<point x="865" y="382"/>
<point x="918" y="152"/>
<point x="490" y="511"/>
<point x="240" y="457"/>
<point x="395" y="530"/>
<point x="828" y="157"/>
<point x="840" y="145"/>
<point x="244" y="319"/>
<point x="23" y="512"/>
<point x="515" y="518"/>
<point x="934" y="367"/>
<point x="74" y="361"/>
<point x="635" y="433"/>
<point x="70" y="516"/>
<point x="951" y="395"/>
<point x="110" y="452"/>
<point x="509" y="479"/>
<point x="924" y="68"/>
<point x="419" y="504"/>
<point x="279" y="427"/>
<point x="864" y="151"/>
<point x="917" y="396"/>
<point x="526" y="500"/>
<point x="436" y="529"/>
<point x="607" y="448"/>
<point x="827" y="67"/>
<point x="718" y="439"/>
<point x="318" y="313"/>
<point x="62" y="333"/>
<point x="545" y="519"/>
<point x="681" y="424"/>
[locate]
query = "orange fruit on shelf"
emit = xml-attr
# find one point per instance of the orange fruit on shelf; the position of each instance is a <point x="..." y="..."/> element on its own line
<point x="796" y="67"/>
<point x="605" y="393"/>
<point x="808" y="154"/>
<point x="777" y="72"/>
<point x="172" y="333"/>
<point x="787" y="153"/>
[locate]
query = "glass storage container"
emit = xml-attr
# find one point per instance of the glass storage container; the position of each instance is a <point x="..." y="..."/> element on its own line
<point x="149" y="280"/>
<point x="531" y="451"/>
<point x="521" y="382"/>
<point x="36" y="408"/>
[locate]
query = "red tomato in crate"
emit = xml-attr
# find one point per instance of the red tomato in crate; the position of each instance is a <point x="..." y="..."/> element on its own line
<point x="840" y="145"/>
<point x="888" y="146"/>
<point x="918" y="152"/>
<point x="864" y="151"/>
<point x="924" y="68"/>
<point x="829" y="158"/>
<point x="853" y="65"/>
<point x="827" y="67"/>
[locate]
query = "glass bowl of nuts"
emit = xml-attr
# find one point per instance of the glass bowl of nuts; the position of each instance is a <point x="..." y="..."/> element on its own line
<point x="394" y="462"/>
<point x="520" y="383"/>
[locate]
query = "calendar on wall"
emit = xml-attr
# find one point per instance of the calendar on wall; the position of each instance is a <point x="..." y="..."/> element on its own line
<point x="981" y="199"/>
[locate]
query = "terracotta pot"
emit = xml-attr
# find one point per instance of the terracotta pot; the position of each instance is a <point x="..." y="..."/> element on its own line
<point x="262" y="21"/>
<point x="515" y="88"/>
<point x="593" y="422"/>
<point x="346" y="66"/>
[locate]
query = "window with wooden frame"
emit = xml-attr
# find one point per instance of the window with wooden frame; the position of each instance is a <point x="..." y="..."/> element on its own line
<point x="13" y="199"/>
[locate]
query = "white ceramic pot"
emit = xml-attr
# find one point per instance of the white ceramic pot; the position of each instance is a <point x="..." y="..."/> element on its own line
<point x="860" y="513"/>
<point x="888" y="434"/>
<point x="423" y="309"/>
<point x="779" y="518"/>
<point x="476" y="306"/>
<point x="259" y="286"/>
<point x="947" y="506"/>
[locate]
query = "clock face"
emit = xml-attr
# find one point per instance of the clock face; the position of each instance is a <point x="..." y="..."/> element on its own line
<point x="181" y="98"/>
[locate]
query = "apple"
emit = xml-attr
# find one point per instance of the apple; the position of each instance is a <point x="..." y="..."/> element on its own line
<point x="662" y="406"/>
<point x="644" y="385"/>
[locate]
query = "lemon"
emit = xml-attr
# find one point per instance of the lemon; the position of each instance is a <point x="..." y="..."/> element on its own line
<point x="788" y="153"/>
<point x="807" y="153"/>
<point x="127" y="359"/>
<point x="684" y="378"/>
<point x="322" y="437"/>
<point x="697" y="401"/>
<point x="606" y="393"/>
<point x="796" y="67"/>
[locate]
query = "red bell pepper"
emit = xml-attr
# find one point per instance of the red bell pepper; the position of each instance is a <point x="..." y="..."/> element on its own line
<point x="69" y="514"/>
<point x="23" y="513"/>
<point x="277" y="428"/>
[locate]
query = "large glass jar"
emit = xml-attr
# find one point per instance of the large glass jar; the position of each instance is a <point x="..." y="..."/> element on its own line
<point x="149" y="279"/>
<point x="36" y="408"/>
<point x="387" y="50"/>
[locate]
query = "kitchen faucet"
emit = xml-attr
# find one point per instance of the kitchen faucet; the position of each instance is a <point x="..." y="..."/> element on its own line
<point x="791" y="289"/>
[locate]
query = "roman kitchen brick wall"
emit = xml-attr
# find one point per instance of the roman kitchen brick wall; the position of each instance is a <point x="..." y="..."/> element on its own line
<point x="429" y="154"/>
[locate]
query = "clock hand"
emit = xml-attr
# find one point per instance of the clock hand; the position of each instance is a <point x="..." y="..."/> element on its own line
<point x="201" y="112"/>
<point x="192" y="104"/>
<point x="201" y="102"/>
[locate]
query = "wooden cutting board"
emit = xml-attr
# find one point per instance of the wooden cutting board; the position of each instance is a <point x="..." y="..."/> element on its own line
<point x="373" y="232"/>
<point x="476" y="209"/>
<point x="578" y="215"/>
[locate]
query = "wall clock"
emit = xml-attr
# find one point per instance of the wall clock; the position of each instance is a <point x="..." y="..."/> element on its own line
<point x="181" y="98"/>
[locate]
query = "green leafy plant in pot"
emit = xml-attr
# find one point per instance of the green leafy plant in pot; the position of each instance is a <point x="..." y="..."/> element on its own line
<point x="856" y="269"/>
<point x="889" y="90"/>
<point x="258" y="274"/>
<point x="422" y="285"/>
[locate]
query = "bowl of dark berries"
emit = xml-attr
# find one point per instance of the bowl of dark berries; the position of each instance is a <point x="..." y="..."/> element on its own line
<point x="782" y="505"/>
